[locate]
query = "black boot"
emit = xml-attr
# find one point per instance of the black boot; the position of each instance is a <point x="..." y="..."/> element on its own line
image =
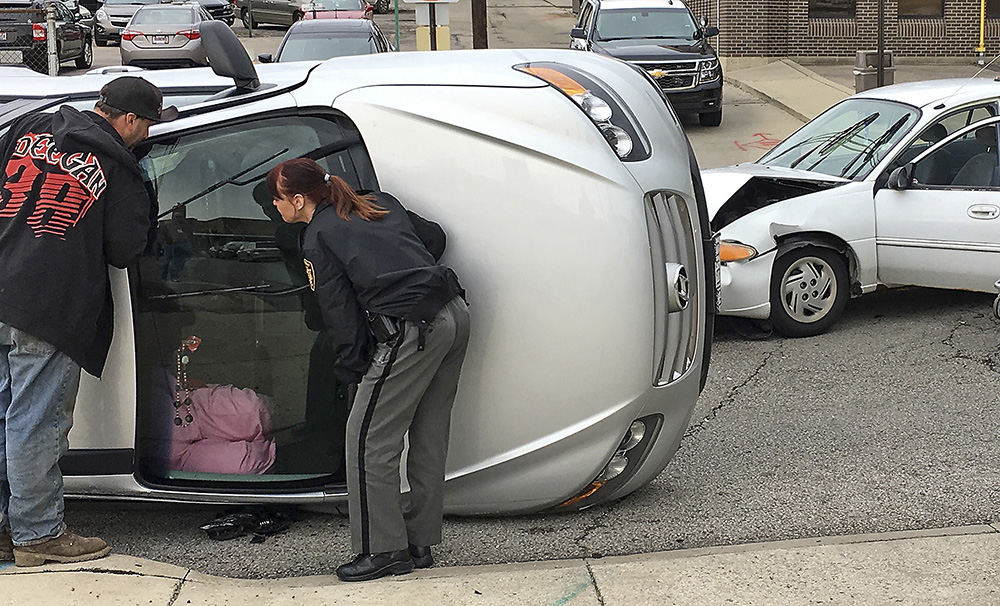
<point x="422" y="557"/>
<point x="365" y="567"/>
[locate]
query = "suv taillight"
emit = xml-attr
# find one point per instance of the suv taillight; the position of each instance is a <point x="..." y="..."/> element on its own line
<point x="38" y="32"/>
<point x="190" y="34"/>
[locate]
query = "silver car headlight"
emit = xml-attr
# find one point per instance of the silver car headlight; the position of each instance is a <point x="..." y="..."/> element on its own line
<point x="708" y="70"/>
<point x="604" y="108"/>
<point x="102" y="15"/>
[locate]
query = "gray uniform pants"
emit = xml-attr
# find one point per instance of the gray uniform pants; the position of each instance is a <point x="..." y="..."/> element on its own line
<point x="404" y="390"/>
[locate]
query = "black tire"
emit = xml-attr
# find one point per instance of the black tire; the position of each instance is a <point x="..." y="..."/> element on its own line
<point x="247" y="18"/>
<point x="100" y="42"/>
<point x="86" y="58"/>
<point x="710" y="119"/>
<point x="806" y="308"/>
<point x="382" y="6"/>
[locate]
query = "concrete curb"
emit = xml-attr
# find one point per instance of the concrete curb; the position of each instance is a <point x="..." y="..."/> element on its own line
<point x="765" y="569"/>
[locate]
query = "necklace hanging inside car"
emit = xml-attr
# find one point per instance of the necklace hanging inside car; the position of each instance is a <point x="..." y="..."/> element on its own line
<point x="182" y="395"/>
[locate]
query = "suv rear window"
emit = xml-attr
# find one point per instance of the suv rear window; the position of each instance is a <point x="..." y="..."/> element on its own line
<point x="11" y="12"/>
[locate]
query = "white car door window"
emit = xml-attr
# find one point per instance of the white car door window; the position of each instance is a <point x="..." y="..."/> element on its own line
<point x="944" y="232"/>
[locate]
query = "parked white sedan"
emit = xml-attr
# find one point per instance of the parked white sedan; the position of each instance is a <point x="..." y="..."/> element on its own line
<point x="894" y="186"/>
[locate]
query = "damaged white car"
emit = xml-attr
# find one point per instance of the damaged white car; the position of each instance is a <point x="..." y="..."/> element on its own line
<point x="895" y="186"/>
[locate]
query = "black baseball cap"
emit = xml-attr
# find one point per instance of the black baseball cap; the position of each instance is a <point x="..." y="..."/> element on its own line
<point x="138" y="96"/>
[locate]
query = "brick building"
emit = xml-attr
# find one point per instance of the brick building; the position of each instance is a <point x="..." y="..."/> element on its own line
<point x="837" y="28"/>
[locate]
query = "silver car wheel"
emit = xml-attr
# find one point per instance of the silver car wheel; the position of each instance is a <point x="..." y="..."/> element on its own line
<point x="808" y="290"/>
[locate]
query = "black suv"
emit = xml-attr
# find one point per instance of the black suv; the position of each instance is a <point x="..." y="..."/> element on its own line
<point x="24" y="35"/>
<point x="664" y="38"/>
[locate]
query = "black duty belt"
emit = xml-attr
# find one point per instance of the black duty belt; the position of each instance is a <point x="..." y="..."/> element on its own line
<point x="384" y="327"/>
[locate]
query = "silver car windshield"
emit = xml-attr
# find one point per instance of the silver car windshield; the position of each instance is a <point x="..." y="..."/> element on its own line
<point x="848" y="140"/>
<point x="163" y="16"/>
<point x="324" y="46"/>
<point x="623" y="24"/>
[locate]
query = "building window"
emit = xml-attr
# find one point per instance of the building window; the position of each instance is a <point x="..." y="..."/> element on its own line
<point x="993" y="8"/>
<point x="834" y="9"/>
<point x="933" y="9"/>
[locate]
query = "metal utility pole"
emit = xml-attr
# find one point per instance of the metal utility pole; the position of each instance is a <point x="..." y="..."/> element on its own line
<point x="881" y="43"/>
<point x="479" y="39"/>
<point x="50" y="29"/>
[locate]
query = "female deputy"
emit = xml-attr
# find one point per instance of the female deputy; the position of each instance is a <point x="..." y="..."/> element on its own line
<point x="400" y="328"/>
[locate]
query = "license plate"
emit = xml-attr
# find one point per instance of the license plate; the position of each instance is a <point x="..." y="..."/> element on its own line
<point x="161" y="39"/>
<point x="121" y="30"/>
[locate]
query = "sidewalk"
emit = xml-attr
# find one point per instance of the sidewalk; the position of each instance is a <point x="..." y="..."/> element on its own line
<point x="944" y="566"/>
<point x="804" y="91"/>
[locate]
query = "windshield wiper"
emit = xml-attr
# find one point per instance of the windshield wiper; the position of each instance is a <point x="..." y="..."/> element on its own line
<point x="869" y="151"/>
<point x="231" y="180"/>
<point x="847" y="133"/>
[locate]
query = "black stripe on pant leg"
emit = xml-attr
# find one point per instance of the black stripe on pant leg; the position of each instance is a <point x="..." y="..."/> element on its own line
<point x="365" y="423"/>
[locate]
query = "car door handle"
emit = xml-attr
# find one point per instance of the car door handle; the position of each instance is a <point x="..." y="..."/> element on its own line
<point x="984" y="211"/>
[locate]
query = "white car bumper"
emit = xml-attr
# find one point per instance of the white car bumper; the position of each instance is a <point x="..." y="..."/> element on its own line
<point x="746" y="286"/>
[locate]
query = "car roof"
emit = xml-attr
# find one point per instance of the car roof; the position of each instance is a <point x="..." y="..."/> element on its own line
<point x="331" y="25"/>
<point x="627" y="4"/>
<point x="957" y="91"/>
<point x="171" y="6"/>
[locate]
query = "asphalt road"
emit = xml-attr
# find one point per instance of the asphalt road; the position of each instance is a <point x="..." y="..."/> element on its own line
<point x="886" y="423"/>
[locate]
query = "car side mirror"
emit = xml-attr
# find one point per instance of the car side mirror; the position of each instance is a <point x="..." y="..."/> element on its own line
<point x="265" y="58"/>
<point x="711" y="32"/>
<point x="577" y="32"/>
<point x="901" y="178"/>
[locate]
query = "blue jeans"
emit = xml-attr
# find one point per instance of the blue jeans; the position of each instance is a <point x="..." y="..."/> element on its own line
<point x="38" y="387"/>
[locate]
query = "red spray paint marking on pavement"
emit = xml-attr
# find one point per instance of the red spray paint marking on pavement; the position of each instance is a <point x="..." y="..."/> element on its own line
<point x="760" y="141"/>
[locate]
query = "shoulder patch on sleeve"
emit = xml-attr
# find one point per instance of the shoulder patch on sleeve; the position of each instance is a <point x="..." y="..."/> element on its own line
<point x="311" y="273"/>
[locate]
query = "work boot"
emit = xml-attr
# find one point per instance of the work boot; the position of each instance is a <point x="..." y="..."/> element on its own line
<point x="365" y="567"/>
<point x="68" y="547"/>
<point x="6" y="546"/>
<point x="422" y="557"/>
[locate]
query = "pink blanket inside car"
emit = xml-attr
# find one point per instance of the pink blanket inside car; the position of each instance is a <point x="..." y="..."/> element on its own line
<point x="231" y="433"/>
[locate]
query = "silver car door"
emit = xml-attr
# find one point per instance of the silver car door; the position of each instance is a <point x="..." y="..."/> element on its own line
<point x="945" y="232"/>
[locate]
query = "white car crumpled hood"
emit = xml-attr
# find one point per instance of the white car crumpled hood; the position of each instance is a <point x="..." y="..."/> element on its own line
<point x="721" y="183"/>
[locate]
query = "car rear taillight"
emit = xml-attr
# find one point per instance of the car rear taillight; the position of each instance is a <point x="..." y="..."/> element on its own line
<point x="38" y="31"/>
<point x="190" y="34"/>
<point x="127" y="35"/>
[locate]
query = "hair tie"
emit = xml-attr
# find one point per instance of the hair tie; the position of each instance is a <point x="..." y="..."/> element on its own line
<point x="326" y="177"/>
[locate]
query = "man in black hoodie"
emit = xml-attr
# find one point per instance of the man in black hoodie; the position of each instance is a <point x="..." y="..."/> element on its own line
<point x="72" y="202"/>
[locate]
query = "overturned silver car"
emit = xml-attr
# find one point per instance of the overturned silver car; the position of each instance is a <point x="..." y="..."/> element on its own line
<point x="575" y="220"/>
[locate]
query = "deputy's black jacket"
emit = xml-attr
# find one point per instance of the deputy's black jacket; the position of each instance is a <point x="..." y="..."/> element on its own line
<point x="383" y="267"/>
<point x="71" y="202"/>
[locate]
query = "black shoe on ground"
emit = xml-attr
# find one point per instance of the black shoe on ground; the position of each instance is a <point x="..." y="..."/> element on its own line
<point x="365" y="567"/>
<point x="422" y="557"/>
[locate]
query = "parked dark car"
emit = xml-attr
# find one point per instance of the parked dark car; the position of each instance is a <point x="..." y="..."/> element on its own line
<point x="24" y="35"/>
<point x="664" y="38"/>
<point x="325" y="39"/>
<point x="287" y="12"/>
<point x="221" y="10"/>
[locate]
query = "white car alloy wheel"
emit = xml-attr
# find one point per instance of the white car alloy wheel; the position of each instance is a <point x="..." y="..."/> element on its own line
<point x="808" y="290"/>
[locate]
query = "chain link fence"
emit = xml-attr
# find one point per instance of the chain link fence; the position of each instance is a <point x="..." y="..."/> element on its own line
<point x="27" y="37"/>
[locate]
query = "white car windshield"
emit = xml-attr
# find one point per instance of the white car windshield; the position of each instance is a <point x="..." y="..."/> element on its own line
<point x="623" y="24"/>
<point x="848" y="140"/>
